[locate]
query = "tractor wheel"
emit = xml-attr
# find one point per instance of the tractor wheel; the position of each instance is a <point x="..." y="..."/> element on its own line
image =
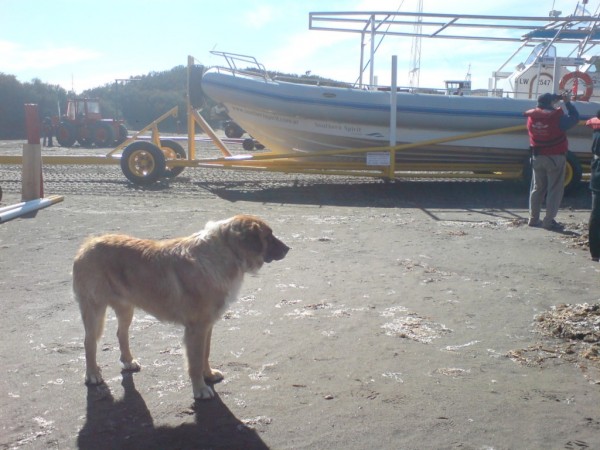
<point x="142" y="163"/>
<point x="85" y="136"/>
<point x="172" y="150"/>
<point x="84" y="142"/>
<point x="66" y="134"/>
<point x="123" y="134"/>
<point x="103" y="134"/>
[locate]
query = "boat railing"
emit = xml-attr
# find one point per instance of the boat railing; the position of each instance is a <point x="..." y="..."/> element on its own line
<point x="312" y="80"/>
<point x="442" y="91"/>
<point x="242" y="64"/>
<point x="238" y="64"/>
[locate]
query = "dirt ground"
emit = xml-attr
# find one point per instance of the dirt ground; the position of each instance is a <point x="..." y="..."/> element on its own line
<point x="406" y="316"/>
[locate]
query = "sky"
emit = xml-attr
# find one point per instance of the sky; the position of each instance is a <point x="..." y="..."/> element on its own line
<point x="81" y="44"/>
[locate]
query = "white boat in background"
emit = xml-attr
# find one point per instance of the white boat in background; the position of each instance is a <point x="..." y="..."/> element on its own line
<point x="290" y="117"/>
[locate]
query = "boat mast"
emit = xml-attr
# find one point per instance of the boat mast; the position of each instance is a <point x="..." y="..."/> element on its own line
<point x="415" y="68"/>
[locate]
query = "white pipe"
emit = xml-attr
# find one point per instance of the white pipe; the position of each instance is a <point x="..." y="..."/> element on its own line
<point x="555" y="75"/>
<point x="393" y="100"/>
<point x="9" y="207"/>
<point x="30" y="206"/>
<point x="372" y="68"/>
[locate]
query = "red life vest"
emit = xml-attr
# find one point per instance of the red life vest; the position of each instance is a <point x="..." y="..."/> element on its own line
<point x="545" y="135"/>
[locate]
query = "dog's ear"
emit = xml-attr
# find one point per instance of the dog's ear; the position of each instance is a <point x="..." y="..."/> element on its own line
<point x="251" y="237"/>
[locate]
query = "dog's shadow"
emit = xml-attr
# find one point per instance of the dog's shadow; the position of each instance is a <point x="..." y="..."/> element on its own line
<point x="127" y="423"/>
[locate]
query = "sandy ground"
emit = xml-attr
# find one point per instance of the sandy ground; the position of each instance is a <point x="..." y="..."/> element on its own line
<point x="402" y="318"/>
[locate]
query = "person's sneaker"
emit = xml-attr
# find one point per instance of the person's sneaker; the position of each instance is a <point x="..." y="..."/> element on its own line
<point x="534" y="223"/>
<point x="554" y="226"/>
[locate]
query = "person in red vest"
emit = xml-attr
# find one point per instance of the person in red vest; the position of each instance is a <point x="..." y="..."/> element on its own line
<point x="594" y="222"/>
<point x="547" y="125"/>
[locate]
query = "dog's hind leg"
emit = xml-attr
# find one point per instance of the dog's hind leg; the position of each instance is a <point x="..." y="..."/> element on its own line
<point x="210" y="375"/>
<point x="195" y="337"/>
<point x="93" y="316"/>
<point x="124" y="315"/>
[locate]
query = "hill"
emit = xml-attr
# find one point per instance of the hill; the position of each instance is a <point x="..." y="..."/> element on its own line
<point x="138" y="102"/>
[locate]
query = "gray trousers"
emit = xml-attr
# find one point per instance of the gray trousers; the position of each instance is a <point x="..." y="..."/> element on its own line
<point x="547" y="182"/>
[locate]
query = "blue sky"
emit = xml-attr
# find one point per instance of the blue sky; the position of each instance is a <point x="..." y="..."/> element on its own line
<point x="81" y="44"/>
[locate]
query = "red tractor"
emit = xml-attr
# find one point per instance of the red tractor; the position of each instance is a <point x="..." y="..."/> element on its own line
<point x="84" y="124"/>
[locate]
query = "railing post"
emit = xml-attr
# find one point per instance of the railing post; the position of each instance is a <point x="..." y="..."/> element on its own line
<point x="393" y="114"/>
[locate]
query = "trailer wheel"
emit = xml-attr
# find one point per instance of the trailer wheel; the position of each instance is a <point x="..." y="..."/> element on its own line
<point x="248" y="144"/>
<point x="172" y="150"/>
<point x="142" y="163"/>
<point x="103" y="135"/>
<point x="573" y="173"/>
<point x="66" y="134"/>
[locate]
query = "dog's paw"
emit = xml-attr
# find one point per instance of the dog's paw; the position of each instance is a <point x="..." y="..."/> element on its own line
<point x="93" y="379"/>
<point x="132" y="366"/>
<point x="214" y="376"/>
<point x="204" y="393"/>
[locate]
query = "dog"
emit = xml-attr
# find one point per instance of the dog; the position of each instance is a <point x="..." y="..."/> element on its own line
<point x="189" y="281"/>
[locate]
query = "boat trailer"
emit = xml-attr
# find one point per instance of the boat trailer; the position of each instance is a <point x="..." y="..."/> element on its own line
<point x="144" y="162"/>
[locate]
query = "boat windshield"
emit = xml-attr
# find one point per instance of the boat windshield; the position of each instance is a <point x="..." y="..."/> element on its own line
<point x="539" y="51"/>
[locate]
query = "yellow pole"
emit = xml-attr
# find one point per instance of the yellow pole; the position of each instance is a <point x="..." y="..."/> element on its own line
<point x="174" y="111"/>
<point x="211" y="133"/>
<point x="349" y="151"/>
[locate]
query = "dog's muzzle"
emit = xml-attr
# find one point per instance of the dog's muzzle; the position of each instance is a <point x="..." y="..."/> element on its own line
<point x="276" y="250"/>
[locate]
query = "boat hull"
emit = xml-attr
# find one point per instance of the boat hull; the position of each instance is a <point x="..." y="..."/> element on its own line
<point x="289" y="117"/>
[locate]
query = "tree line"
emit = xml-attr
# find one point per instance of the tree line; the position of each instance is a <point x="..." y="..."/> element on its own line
<point x="138" y="101"/>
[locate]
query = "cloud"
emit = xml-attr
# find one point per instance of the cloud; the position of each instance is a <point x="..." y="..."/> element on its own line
<point x="302" y="46"/>
<point x="259" y="17"/>
<point x="16" y="57"/>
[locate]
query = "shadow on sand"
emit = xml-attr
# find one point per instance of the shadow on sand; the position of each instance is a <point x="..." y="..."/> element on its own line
<point x="127" y="423"/>
<point x="400" y="194"/>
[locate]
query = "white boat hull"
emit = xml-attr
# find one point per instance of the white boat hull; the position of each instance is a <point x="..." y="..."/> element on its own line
<point x="289" y="117"/>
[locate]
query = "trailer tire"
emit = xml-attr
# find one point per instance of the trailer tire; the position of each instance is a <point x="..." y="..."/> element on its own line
<point x="143" y="163"/>
<point x="573" y="173"/>
<point x="66" y="134"/>
<point x="248" y="144"/>
<point x="172" y="150"/>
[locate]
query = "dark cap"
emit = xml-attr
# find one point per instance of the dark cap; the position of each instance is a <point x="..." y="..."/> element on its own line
<point x="546" y="100"/>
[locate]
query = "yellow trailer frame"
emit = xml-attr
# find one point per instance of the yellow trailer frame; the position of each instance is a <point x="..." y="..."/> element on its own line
<point x="298" y="162"/>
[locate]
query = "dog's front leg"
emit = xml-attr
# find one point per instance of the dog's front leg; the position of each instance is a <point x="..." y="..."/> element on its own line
<point x="210" y="375"/>
<point x="195" y="337"/>
<point x="124" y="317"/>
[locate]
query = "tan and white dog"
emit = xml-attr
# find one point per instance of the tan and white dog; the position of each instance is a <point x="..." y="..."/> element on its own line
<point x="189" y="281"/>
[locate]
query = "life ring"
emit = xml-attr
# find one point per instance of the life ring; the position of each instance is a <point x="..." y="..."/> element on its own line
<point x="585" y="78"/>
